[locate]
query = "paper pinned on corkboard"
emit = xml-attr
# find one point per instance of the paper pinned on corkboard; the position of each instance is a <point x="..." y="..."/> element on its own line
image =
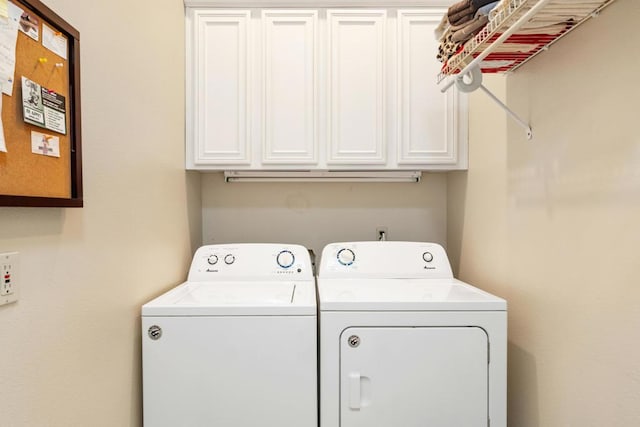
<point x="44" y="144"/>
<point x="3" y="145"/>
<point x="4" y="8"/>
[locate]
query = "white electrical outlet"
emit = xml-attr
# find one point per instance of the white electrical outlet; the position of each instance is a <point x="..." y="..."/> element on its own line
<point x="9" y="278"/>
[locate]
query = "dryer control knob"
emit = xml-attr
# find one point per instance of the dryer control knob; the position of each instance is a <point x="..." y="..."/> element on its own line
<point x="427" y="256"/>
<point x="285" y="259"/>
<point x="229" y="259"/>
<point x="212" y="260"/>
<point x="346" y="256"/>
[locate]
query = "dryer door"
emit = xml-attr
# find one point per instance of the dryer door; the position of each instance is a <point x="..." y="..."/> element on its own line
<point x="414" y="377"/>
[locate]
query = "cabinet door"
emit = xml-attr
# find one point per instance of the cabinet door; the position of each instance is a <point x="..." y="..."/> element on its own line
<point x="357" y="88"/>
<point x="219" y="90"/>
<point x="290" y="95"/>
<point x="429" y="122"/>
<point x="414" y="377"/>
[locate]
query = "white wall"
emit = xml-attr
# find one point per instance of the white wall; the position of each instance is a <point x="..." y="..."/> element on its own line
<point x="552" y="225"/>
<point x="70" y="347"/>
<point x="314" y="214"/>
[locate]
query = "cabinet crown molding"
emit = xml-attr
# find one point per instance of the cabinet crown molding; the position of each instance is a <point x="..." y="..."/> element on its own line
<point x="316" y="3"/>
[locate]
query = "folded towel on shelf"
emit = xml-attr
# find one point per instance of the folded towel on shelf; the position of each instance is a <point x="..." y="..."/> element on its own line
<point x="486" y="9"/>
<point x="457" y="7"/>
<point x="466" y="4"/>
<point x="461" y="17"/>
<point x="477" y="4"/>
<point x="447" y="48"/>
<point x="465" y="10"/>
<point x="470" y="30"/>
<point x="453" y="28"/>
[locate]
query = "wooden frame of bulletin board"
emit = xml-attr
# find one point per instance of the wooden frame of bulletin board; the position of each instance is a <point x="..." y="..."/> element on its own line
<point x="29" y="177"/>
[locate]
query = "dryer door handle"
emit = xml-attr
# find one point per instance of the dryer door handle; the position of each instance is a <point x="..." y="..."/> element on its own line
<point x="359" y="391"/>
<point x="354" y="391"/>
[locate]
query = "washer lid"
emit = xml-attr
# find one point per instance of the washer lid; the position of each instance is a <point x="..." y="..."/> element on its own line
<point x="404" y="295"/>
<point x="235" y="299"/>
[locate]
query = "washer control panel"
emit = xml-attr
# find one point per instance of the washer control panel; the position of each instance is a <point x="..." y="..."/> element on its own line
<point x="385" y="260"/>
<point x="247" y="261"/>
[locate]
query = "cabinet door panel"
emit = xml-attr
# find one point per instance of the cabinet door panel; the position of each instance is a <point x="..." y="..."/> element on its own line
<point x="290" y="107"/>
<point x="357" y="86"/>
<point x="221" y="89"/>
<point x="428" y="120"/>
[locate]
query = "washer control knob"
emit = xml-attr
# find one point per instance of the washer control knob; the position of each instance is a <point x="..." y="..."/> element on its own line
<point x="285" y="259"/>
<point x="229" y="259"/>
<point x="212" y="260"/>
<point x="346" y="256"/>
<point x="427" y="256"/>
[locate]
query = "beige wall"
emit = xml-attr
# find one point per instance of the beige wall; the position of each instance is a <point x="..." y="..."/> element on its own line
<point x="69" y="348"/>
<point x="314" y="214"/>
<point x="553" y="225"/>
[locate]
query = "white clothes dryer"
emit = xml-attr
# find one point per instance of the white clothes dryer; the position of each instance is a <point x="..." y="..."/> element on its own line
<point x="235" y="345"/>
<point x="404" y="343"/>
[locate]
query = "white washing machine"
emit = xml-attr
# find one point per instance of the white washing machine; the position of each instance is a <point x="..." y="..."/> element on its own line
<point x="235" y="345"/>
<point x="403" y="343"/>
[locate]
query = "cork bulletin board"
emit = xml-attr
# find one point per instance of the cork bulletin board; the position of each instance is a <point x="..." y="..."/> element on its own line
<point x="50" y="77"/>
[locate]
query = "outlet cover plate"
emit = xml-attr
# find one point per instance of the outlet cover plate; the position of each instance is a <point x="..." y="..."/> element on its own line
<point x="9" y="277"/>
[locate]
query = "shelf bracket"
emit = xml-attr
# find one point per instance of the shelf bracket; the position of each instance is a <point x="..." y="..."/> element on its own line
<point x="509" y="111"/>
<point x="474" y="81"/>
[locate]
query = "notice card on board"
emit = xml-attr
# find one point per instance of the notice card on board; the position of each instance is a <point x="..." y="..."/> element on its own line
<point x="54" y="41"/>
<point x="43" y="107"/>
<point x="47" y="145"/>
<point x="29" y="25"/>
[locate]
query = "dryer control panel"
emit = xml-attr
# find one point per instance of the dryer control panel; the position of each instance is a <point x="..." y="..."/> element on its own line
<point x="251" y="261"/>
<point x="392" y="260"/>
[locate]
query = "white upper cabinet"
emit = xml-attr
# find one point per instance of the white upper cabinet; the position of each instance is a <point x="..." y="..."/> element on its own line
<point x="318" y="89"/>
<point x="290" y="87"/>
<point x="218" y="87"/>
<point x="429" y="122"/>
<point x="357" y="87"/>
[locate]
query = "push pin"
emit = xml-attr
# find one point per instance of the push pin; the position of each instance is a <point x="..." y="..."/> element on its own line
<point x="42" y="60"/>
<point x="59" y="65"/>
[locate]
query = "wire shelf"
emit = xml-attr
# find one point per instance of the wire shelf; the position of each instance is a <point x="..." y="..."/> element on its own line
<point x="517" y="31"/>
